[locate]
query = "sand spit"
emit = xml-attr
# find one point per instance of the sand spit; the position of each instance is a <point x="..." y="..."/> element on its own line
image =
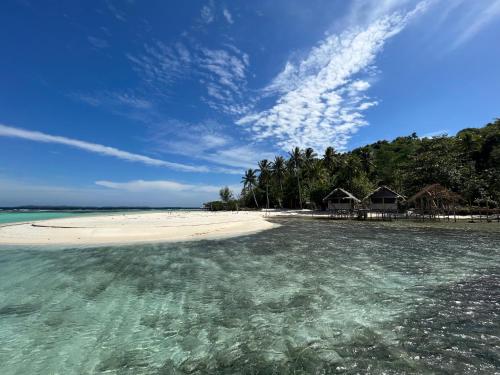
<point x="135" y="228"/>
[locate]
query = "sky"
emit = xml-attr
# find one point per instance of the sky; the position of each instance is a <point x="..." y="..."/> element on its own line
<point x="161" y="103"/>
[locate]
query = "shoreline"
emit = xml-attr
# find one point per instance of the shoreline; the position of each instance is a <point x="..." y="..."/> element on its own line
<point x="133" y="228"/>
<point x="126" y="228"/>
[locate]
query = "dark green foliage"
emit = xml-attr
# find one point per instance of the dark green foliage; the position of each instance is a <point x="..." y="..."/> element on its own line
<point x="468" y="163"/>
<point x="225" y="194"/>
<point x="231" y="205"/>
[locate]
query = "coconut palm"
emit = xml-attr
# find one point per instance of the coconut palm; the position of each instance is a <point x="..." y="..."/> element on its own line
<point x="278" y="170"/>
<point x="249" y="182"/>
<point x="309" y="161"/>
<point x="296" y="160"/>
<point x="225" y="194"/>
<point x="366" y="158"/>
<point x="309" y="156"/>
<point x="265" y="173"/>
<point x="330" y="159"/>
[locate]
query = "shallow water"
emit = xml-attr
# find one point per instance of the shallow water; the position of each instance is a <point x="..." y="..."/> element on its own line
<point x="16" y="217"/>
<point x="7" y="216"/>
<point x="307" y="297"/>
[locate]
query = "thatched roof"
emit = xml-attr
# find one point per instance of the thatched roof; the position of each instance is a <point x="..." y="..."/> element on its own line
<point x="344" y="195"/>
<point x="384" y="191"/>
<point x="436" y="191"/>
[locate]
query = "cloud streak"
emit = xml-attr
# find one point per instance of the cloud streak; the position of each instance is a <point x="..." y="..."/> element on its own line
<point x="97" y="43"/>
<point x="107" y="193"/>
<point x="209" y="141"/>
<point x="154" y="185"/>
<point x="228" y="16"/>
<point x="12" y="132"/>
<point x="478" y="17"/>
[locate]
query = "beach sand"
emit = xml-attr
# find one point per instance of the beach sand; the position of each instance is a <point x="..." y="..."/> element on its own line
<point x="135" y="228"/>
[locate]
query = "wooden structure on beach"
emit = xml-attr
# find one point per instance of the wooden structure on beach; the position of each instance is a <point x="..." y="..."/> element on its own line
<point x="341" y="200"/>
<point x="434" y="199"/>
<point x="433" y="202"/>
<point x="383" y="199"/>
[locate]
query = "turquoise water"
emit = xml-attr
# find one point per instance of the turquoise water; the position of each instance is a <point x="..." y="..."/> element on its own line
<point x="16" y="217"/>
<point x="309" y="297"/>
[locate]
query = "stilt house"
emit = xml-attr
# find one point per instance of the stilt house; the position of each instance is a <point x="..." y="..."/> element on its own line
<point x="340" y="199"/>
<point x="435" y="198"/>
<point x="383" y="199"/>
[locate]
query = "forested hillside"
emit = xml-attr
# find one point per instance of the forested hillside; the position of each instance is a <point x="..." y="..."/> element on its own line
<point x="468" y="163"/>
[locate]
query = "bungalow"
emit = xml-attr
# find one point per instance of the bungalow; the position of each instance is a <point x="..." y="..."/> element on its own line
<point x="434" y="198"/>
<point x="383" y="199"/>
<point x="340" y="199"/>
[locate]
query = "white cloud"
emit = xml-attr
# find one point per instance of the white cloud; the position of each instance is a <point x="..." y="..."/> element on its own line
<point x="222" y="72"/>
<point x="241" y="156"/>
<point x="98" y="42"/>
<point x="360" y="85"/>
<point x="114" y="100"/>
<point x="364" y="106"/>
<point x="207" y="13"/>
<point x="228" y="16"/>
<point x="8" y="131"/>
<point x="163" y="185"/>
<point x="437" y="133"/>
<point x="32" y="192"/>
<point x="319" y="100"/>
<point x="224" y="75"/>
<point x="161" y="64"/>
<point x="478" y="15"/>
<point x="209" y="141"/>
<point x="118" y="14"/>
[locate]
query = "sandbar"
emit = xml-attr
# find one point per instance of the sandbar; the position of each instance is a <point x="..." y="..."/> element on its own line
<point x="127" y="228"/>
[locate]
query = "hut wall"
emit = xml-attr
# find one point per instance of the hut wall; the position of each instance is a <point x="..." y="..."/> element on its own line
<point x="384" y="206"/>
<point x="339" y="206"/>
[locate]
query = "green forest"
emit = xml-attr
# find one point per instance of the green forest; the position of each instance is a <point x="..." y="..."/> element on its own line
<point x="467" y="163"/>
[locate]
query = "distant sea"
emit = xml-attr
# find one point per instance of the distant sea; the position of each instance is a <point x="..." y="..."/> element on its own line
<point x="16" y="215"/>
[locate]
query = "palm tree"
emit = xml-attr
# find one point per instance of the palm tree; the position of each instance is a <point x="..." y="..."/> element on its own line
<point x="329" y="158"/>
<point x="309" y="161"/>
<point x="296" y="160"/>
<point x="330" y="162"/>
<point x="367" y="160"/>
<point x="309" y="156"/>
<point x="317" y="173"/>
<point x="249" y="182"/>
<point x="225" y="194"/>
<point x="265" y="172"/>
<point x="278" y="170"/>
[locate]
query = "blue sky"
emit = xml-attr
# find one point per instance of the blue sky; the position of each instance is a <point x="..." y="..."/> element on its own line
<point x="162" y="103"/>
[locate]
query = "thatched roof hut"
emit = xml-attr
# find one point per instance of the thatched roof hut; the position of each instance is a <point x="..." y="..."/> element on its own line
<point x="434" y="197"/>
<point x="340" y="199"/>
<point x="383" y="199"/>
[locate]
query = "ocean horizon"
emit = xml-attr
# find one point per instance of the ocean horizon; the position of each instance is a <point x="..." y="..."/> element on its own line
<point x="25" y="213"/>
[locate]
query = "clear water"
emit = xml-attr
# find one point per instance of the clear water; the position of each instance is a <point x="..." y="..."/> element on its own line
<point x="7" y="217"/>
<point x="309" y="297"/>
<point x="16" y="217"/>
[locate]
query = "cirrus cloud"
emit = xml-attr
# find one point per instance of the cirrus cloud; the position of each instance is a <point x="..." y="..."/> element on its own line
<point x="12" y="132"/>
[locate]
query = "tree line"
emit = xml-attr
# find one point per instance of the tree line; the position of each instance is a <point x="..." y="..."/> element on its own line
<point x="467" y="163"/>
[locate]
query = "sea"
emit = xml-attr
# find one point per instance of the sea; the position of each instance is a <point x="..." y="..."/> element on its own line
<point x="9" y="215"/>
<point x="307" y="297"/>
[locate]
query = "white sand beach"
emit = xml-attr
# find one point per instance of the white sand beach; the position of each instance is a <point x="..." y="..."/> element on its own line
<point x="135" y="228"/>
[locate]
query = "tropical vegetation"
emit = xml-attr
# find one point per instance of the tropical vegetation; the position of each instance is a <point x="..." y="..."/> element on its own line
<point x="467" y="163"/>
